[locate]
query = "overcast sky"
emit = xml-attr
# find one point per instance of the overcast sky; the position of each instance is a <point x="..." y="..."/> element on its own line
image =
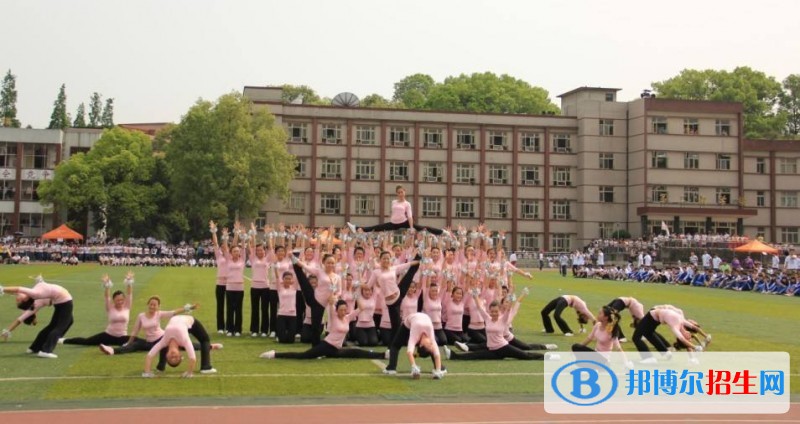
<point x="157" y="57"/>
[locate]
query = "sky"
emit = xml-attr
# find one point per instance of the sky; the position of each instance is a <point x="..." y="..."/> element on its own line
<point x="156" y="58"/>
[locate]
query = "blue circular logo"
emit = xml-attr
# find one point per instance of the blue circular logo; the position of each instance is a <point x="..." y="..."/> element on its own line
<point x="581" y="376"/>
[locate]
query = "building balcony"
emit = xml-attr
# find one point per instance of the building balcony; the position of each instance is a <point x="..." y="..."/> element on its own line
<point x="688" y="208"/>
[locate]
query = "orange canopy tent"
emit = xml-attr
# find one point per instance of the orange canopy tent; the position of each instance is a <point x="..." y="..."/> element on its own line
<point x="755" y="246"/>
<point x="63" y="232"/>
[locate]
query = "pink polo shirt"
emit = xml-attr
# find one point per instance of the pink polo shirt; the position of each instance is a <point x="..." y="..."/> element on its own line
<point x="53" y="292"/>
<point x="401" y="212"/>
<point x="338" y="328"/>
<point x="151" y="326"/>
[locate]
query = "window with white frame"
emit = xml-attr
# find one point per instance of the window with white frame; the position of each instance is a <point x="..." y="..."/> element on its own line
<point x="399" y="137"/>
<point x="761" y="198"/>
<point x="691" y="194"/>
<point x="530" y="142"/>
<point x="498" y="208"/>
<point x="723" y="195"/>
<point x="606" y="194"/>
<point x="261" y="220"/>
<point x="29" y="191"/>
<point x="788" y="199"/>
<point x="606" y="161"/>
<point x="561" y="176"/>
<point x="331" y="169"/>
<point x="787" y="166"/>
<point x="659" y="160"/>
<point x="498" y="174"/>
<point x="465" y="207"/>
<point x="790" y="235"/>
<point x="761" y="166"/>
<point x="465" y="139"/>
<point x="331" y="134"/>
<point x="39" y="156"/>
<point x="31" y="223"/>
<point x="606" y="127"/>
<point x="561" y="143"/>
<point x="560" y="242"/>
<point x="365" y="204"/>
<point x="528" y="241"/>
<point x="691" y="126"/>
<point x="659" y="194"/>
<point x="7" y="190"/>
<point x="659" y="125"/>
<point x="433" y="138"/>
<point x="8" y="155"/>
<point x="561" y="210"/>
<point x="529" y="209"/>
<point x="529" y="175"/>
<point x="5" y="222"/>
<point x="691" y="161"/>
<point x="365" y="135"/>
<point x="606" y="230"/>
<point x="465" y="173"/>
<point x="498" y="140"/>
<point x="330" y="204"/>
<point x="301" y="169"/>
<point x="723" y="161"/>
<point x="761" y="232"/>
<point x="432" y="172"/>
<point x="297" y="131"/>
<point x="722" y="127"/>
<point x="431" y="206"/>
<point x="398" y="170"/>
<point x="365" y="170"/>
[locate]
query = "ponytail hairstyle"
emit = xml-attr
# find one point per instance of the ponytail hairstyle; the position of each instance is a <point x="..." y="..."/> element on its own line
<point x="31" y="320"/>
<point x="613" y="321"/>
<point x="582" y="318"/>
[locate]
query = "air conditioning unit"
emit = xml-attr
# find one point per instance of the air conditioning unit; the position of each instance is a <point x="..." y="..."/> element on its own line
<point x="330" y="140"/>
<point x="432" y="179"/>
<point x="528" y="182"/>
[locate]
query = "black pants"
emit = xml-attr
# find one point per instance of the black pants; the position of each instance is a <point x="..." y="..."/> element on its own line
<point x="577" y="347"/>
<point x="400" y="339"/>
<point x="519" y="344"/>
<point x="47" y="339"/>
<point x="300" y="308"/>
<point x="329" y="351"/>
<point x="558" y="304"/>
<point x="386" y="336"/>
<point x="305" y="333"/>
<point x="618" y="305"/>
<point x="506" y="351"/>
<point x="476" y="336"/>
<point x="366" y="336"/>
<point x="259" y="310"/>
<point x="394" y="309"/>
<point x="454" y="336"/>
<point x="388" y="226"/>
<point x="647" y="329"/>
<point x="142" y="345"/>
<point x="98" y="339"/>
<point x="234" y="301"/>
<point x="440" y="336"/>
<point x="563" y="270"/>
<point x="317" y="310"/>
<point x="272" y="297"/>
<point x="220" y="295"/>
<point x="287" y="328"/>
<point x="199" y="332"/>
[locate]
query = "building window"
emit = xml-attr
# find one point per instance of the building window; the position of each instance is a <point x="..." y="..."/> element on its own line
<point x="530" y="142"/>
<point x="465" y="139"/>
<point x="761" y="198"/>
<point x="659" y="160"/>
<point x="331" y="169"/>
<point x="330" y="204"/>
<point x="398" y="170"/>
<point x="560" y="242"/>
<point x="365" y="170"/>
<point x="497" y="140"/>
<point x="431" y="206"/>
<point x="39" y="156"/>
<point x="30" y="224"/>
<point x="365" y="135"/>
<point x="606" y="194"/>
<point x="296" y="203"/>
<point x="7" y="190"/>
<point x="498" y="174"/>
<point x="498" y="208"/>
<point x="561" y="176"/>
<point x="465" y="207"/>
<point x="528" y="241"/>
<point x="606" y="127"/>
<point x="529" y="175"/>
<point x="606" y="230"/>
<point x="658" y="194"/>
<point x="606" y="161"/>
<point x="788" y="166"/>
<point x="788" y="199"/>
<point x="561" y="143"/>
<point x="301" y="169"/>
<point x="5" y="223"/>
<point x="691" y="161"/>
<point x="561" y="210"/>
<point x="399" y="137"/>
<point x="529" y="209"/>
<point x="433" y="138"/>
<point x="465" y="173"/>
<point x="789" y="235"/>
<point x="365" y="204"/>
<point x="761" y="232"/>
<point x="8" y="156"/>
<point x="723" y="161"/>
<point x="690" y="126"/>
<point x="261" y="220"/>
<point x="331" y="134"/>
<point x="29" y="191"/>
<point x="609" y="97"/>
<point x="722" y="127"/>
<point x="659" y="125"/>
<point x="723" y="196"/>
<point x="432" y="172"/>
<point x="761" y="166"/>
<point x="691" y="194"/>
<point x="298" y="132"/>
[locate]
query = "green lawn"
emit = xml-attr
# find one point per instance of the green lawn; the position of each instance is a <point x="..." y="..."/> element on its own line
<point x="85" y="377"/>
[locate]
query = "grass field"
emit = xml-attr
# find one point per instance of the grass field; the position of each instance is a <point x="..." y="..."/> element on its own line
<point x="83" y="376"/>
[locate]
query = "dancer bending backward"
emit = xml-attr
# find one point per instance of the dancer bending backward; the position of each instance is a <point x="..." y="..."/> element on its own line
<point x="401" y="217"/>
<point x="606" y="332"/>
<point x="559" y="304"/>
<point x="176" y="336"/>
<point x="118" y="309"/>
<point x="329" y="283"/>
<point x="385" y="279"/>
<point x="675" y="320"/>
<point x="222" y="273"/>
<point x="45" y="342"/>
<point x="331" y="347"/>
<point x="416" y="329"/>
<point x="28" y="317"/>
<point x="634" y="306"/>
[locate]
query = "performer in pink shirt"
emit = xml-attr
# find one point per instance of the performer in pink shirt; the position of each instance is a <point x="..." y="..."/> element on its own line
<point x="150" y="323"/>
<point x="328" y="283"/>
<point x="606" y="333"/>
<point x="118" y="310"/>
<point x="673" y="318"/>
<point x="385" y="279"/>
<point x="365" y="332"/>
<point x="222" y="272"/>
<point x="28" y="317"/>
<point x="401" y="217"/>
<point x="559" y="304"/>
<point x="234" y="286"/>
<point x="287" y="315"/>
<point x="176" y="336"/>
<point x="454" y="314"/>
<point x="260" y="292"/>
<point x="634" y="306"/>
<point x="62" y="319"/>
<point x="416" y="330"/>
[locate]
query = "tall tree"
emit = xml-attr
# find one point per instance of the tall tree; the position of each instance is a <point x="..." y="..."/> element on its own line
<point x="8" y="101"/>
<point x="377" y="101"/>
<point x="80" y="117"/>
<point x="302" y="94"/>
<point x="790" y="104"/>
<point x="95" y="110"/>
<point x="412" y="91"/>
<point x="225" y="159"/>
<point x="107" y="120"/>
<point x="489" y="93"/>
<point x="59" y="119"/>
<point x="758" y="93"/>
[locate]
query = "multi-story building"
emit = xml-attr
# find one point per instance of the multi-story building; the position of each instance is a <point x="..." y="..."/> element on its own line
<point x="552" y="182"/>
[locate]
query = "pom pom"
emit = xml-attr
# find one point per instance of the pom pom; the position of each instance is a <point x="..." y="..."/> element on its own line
<point x="187" y="308"/>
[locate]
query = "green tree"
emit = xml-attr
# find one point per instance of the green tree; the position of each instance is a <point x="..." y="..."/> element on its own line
<point x="412" y="91"/>
<point x="489" y="93"/>
<point x="59" y="119"/>
<point x="790" y="104"/>
<point x="758" y="93"/>
<point x="8" y="101"/>
<point x="225" y="158"/>
<point x="293" y="93"/>
<point x="80" y="117"/>
<point x="377" y="101"/>
<point x="114" y="181"/>
<point x="95" y="110"/>
<point x="107" y="119"/>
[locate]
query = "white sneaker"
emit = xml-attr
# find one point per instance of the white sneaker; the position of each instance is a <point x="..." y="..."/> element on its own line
<point x="549" y="356"/>
<point x="253" y="334"/>
<point x="551" y="346"/>
<point x="272" y="334"/>
<point x="568" y="334"/>
<point x="61" y="340"/>
<point x="238" y="334"/>
<point x="463" y="346"/>
<point x="220" y="331"/>
<point x="623" y="340"/>
<point x="668" y="355"/>
<point x="47" y="355"/>
<point x="106" y="349"/>
<point x="583" y="330"/>
<point x="415" y="372"/>
<point x="148" y="375"/>
<point x="216" y="346"/>
<point x="389" y="372"/>
<point x="351" y="227"/>
<point x="447" y="353"/>
<point x="209" y="371"/>
<point x="264" y="335"/>
<point x="386" y="354"/>
<point x="229" y="334"/>
<point x="270" y="354"/>
<point x="649" y="361"/>
<point x="437" y="375"/>
<point x="29" y="351"/>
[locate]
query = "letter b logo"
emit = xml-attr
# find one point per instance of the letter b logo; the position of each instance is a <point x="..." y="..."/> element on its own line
<point x="584" y="383"/>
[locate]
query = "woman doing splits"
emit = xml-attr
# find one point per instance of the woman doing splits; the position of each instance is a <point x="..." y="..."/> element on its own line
<point x="118" y="309"/>
<point x="674" y="319"/>
<point x="559" y="304"/>
<point x="416" y="329"/>
<point x="606" y="333"/>
<point x="176" y="336"/>
<point x="401" y="217"/>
